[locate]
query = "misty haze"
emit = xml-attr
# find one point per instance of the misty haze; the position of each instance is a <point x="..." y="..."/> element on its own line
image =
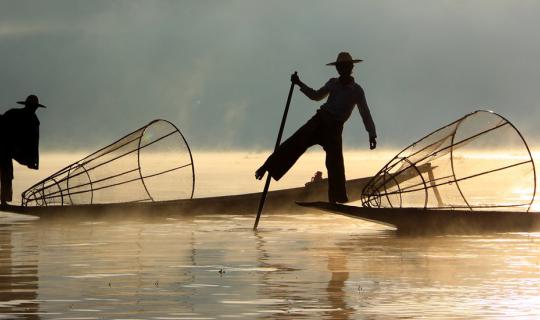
<point x="145" y="172"/>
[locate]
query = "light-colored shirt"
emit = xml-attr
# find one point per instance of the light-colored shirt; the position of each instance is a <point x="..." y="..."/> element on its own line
<point x="341" y="101"/>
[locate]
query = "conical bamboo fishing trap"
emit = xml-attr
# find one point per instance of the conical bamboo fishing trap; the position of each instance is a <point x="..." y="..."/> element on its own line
<point x="478" y="162"/>
<point x="153" y="163"/>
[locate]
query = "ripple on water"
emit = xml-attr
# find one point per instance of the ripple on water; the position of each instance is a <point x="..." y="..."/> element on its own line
<point x="296" y="266"/>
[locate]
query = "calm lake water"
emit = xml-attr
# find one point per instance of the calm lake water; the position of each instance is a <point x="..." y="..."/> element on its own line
<point x="296" y="266"/>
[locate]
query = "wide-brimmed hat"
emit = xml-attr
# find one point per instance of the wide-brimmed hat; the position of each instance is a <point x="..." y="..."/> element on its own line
<point x="31" y="100"/>
<point x="344" y="57"/>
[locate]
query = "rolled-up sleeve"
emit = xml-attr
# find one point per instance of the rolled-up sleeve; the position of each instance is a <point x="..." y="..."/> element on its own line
<point x="366" y="115"/>
<point x="316" y="95"/>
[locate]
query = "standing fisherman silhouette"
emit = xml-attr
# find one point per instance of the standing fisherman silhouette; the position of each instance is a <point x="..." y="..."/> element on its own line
<point x="325" y="128"/>
<point x="19" y="140"/>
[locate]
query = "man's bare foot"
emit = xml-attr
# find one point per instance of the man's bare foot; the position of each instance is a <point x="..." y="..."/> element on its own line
<point x="259" y="174"/>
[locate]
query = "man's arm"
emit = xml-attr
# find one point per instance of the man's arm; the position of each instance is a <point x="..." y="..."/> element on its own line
<point x="316" y="95"/>
<point x="367" y="119"/>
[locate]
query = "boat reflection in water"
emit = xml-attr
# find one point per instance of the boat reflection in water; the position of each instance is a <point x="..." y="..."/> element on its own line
<point x="18" y="272"/>
<point x="296" y="266"/>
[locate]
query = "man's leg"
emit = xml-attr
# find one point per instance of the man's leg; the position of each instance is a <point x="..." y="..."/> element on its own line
<point x="335" y="165"/>
<point x="286" y="155"/>
<point x="2" y="185"/>
<point x="6" y="178"/>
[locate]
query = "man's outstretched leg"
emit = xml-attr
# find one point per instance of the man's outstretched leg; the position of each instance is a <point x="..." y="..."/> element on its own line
<point x="286" y="155"/>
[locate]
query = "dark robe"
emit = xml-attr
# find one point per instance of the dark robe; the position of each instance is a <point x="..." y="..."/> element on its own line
<point x="19" y="140"/>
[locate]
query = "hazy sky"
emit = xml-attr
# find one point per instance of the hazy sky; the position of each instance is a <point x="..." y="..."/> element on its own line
<point x="220" y="69"/>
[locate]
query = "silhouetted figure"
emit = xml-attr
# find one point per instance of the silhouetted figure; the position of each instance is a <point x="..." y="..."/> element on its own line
<point x="19" y="140"/>
<point x="325" y="128"/>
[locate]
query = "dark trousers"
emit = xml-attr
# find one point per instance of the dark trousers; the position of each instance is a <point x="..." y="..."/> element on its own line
<point x="6" y="177"/>
<point x="321" y="129"/>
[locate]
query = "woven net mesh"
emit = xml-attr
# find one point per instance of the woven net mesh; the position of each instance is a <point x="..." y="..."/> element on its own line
<point x="153" y="163"/>
<point x="478" y="162"/>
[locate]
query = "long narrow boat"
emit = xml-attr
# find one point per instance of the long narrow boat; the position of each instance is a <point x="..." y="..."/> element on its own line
<point x="277" y="200"/>
<point x="434" y="221"/>
<point x="151" y="171"/>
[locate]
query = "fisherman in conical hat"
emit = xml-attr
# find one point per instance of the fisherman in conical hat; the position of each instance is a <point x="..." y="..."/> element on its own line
<point x="325" y="128"/>
<point x="19" y="140"/>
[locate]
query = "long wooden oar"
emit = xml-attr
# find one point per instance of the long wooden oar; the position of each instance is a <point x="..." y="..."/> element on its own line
<point x="278" y="141"/>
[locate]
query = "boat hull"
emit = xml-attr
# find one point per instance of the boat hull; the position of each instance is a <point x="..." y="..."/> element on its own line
<point x="277" y="200"/>
<point x="419" y="220"/>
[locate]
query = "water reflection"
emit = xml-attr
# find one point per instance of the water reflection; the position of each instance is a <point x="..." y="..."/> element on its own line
<point x="18" y="274"/>
<point x="336" y="288"/>
<point x="296" y="266"/>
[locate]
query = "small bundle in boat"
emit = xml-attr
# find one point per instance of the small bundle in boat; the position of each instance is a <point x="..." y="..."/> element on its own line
<point x="478" y="162"/>
<point x="153" y="163"/>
